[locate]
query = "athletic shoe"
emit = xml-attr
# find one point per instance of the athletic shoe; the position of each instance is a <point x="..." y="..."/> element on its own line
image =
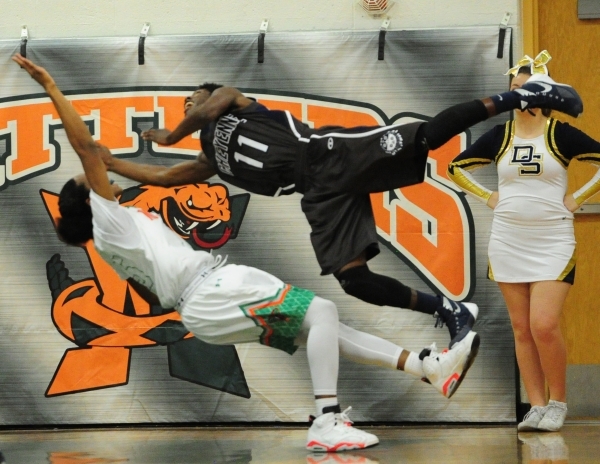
<point x="333" y="432"/>
<point x="431" y="350"/>
<point x="540" y="91"/>
<point x="546" y="446"/>
<point x="458" y="317"/>
<point x="446" y="370"/>
<point x="532" y="419"/>
<point x="554" y="418"/>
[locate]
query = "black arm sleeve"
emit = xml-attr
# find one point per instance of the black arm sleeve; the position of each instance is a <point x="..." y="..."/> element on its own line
<point x="575" y="144"/>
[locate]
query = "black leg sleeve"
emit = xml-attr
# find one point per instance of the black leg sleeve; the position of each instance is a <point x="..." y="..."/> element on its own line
<point x="451" y="122"/>
<point x="373" y="288"/>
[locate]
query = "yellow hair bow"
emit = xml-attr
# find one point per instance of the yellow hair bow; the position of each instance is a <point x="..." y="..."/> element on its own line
<point x="537" y="65"/>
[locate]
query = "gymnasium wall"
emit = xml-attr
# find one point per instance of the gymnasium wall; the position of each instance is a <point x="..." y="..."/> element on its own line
<point x="116" y="18"/>
<point x="79" y="346"/>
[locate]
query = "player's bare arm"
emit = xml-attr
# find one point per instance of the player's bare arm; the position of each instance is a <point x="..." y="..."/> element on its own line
<point x="77" y="132"/>
<point x="186" y="172"/>
<point x="200" y="109"/>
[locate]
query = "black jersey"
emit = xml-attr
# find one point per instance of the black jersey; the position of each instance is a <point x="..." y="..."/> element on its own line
<point x="255" y="148"/>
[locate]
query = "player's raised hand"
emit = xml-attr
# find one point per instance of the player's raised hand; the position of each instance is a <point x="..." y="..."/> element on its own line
<point x="39" y="74"/>
<point x="157" y="135"/>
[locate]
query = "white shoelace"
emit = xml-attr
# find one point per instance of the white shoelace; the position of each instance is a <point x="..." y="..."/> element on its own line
<point x="343" y="416"/>
<point x="534" y="410"/>
<point x="219" y="262"/>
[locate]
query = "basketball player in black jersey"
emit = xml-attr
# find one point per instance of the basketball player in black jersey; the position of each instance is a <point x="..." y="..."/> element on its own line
<point x="335" y="169"/>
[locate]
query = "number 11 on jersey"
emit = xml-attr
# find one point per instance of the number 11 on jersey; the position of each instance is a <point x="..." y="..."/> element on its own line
<point x="251" y="143"/>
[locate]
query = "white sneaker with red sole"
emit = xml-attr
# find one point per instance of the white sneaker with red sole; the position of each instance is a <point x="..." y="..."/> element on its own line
<point x="333" y="432"/>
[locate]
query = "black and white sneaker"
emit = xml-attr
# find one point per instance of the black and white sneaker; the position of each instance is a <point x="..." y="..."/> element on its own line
<point x="458" y="317"/>
<point x="541" y="91"/>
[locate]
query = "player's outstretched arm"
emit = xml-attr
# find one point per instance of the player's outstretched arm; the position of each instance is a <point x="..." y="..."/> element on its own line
<point x="198" y="116"/>
<point x="186" y="172"/>
<point x="77" y="132"/>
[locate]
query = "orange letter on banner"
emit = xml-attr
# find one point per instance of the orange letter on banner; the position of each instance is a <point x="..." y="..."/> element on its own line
<point x="26" y="123"/>
<point x="324" y="116"/>
<point x="294" y="108"/>
<point x="115" y="118"/>
<point x="428" y="224"/>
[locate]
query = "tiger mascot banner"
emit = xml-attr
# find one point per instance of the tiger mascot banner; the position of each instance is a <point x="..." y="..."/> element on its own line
<point x="80" y="346"/>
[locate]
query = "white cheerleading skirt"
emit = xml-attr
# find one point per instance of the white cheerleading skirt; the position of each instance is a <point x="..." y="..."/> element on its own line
<point x="526" y="253"/>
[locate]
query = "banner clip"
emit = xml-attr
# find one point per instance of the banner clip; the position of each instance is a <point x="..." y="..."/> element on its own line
<point x="143" y="35"/>
<point x="24" y="39"/>
<point x="382" y="30"/>
<point x="502" y="34"/>
<point x="261" y="40"/>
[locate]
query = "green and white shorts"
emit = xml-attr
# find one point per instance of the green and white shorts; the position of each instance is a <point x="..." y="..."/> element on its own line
<point x="241" y="304"/>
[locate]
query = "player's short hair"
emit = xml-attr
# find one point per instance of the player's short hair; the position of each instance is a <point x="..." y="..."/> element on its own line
<point x="74" y="227"/>
<point x="211" y="87"/>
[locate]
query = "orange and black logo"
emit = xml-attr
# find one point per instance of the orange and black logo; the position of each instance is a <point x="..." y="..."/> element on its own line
<point x="106" y="318"/>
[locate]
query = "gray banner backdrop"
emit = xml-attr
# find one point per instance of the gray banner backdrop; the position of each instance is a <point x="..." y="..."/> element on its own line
<point x="423" y="73"/>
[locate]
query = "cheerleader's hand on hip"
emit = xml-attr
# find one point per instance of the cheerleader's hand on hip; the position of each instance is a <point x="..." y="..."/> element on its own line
<point x="492" y="200"/>
<point x="570" y="203"/>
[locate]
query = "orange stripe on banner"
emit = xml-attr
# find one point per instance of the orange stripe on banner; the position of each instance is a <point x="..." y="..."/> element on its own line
<point x="324" y="116"/>
<point x="294" y="108"/>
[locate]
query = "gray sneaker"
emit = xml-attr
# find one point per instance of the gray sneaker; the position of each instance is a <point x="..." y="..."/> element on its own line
<point x="532" y="419"/>
<point x="554" y="418"/>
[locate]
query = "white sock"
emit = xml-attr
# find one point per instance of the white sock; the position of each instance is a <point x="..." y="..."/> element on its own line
<point x="325" y="403"/>
<point x="414" y="365"/>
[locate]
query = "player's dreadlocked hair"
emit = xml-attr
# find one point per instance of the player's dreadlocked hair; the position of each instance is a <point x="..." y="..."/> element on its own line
<point x="75" y="224"/>
<point x="211" y="87"/>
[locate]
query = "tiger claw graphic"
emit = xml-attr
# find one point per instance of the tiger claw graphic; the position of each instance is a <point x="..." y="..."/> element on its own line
<point x="106" y="318"/>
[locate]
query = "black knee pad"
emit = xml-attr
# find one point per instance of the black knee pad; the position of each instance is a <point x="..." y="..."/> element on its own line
<point x="373" y="288"/>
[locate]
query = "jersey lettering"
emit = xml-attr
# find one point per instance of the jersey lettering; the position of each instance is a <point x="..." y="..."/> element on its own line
<point x="223" y="130"/>
<point x="136" y="274"/>
<point x="529" y="162"/>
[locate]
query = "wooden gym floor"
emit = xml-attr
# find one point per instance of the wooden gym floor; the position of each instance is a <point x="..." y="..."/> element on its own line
<point x="578" y="442"/>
